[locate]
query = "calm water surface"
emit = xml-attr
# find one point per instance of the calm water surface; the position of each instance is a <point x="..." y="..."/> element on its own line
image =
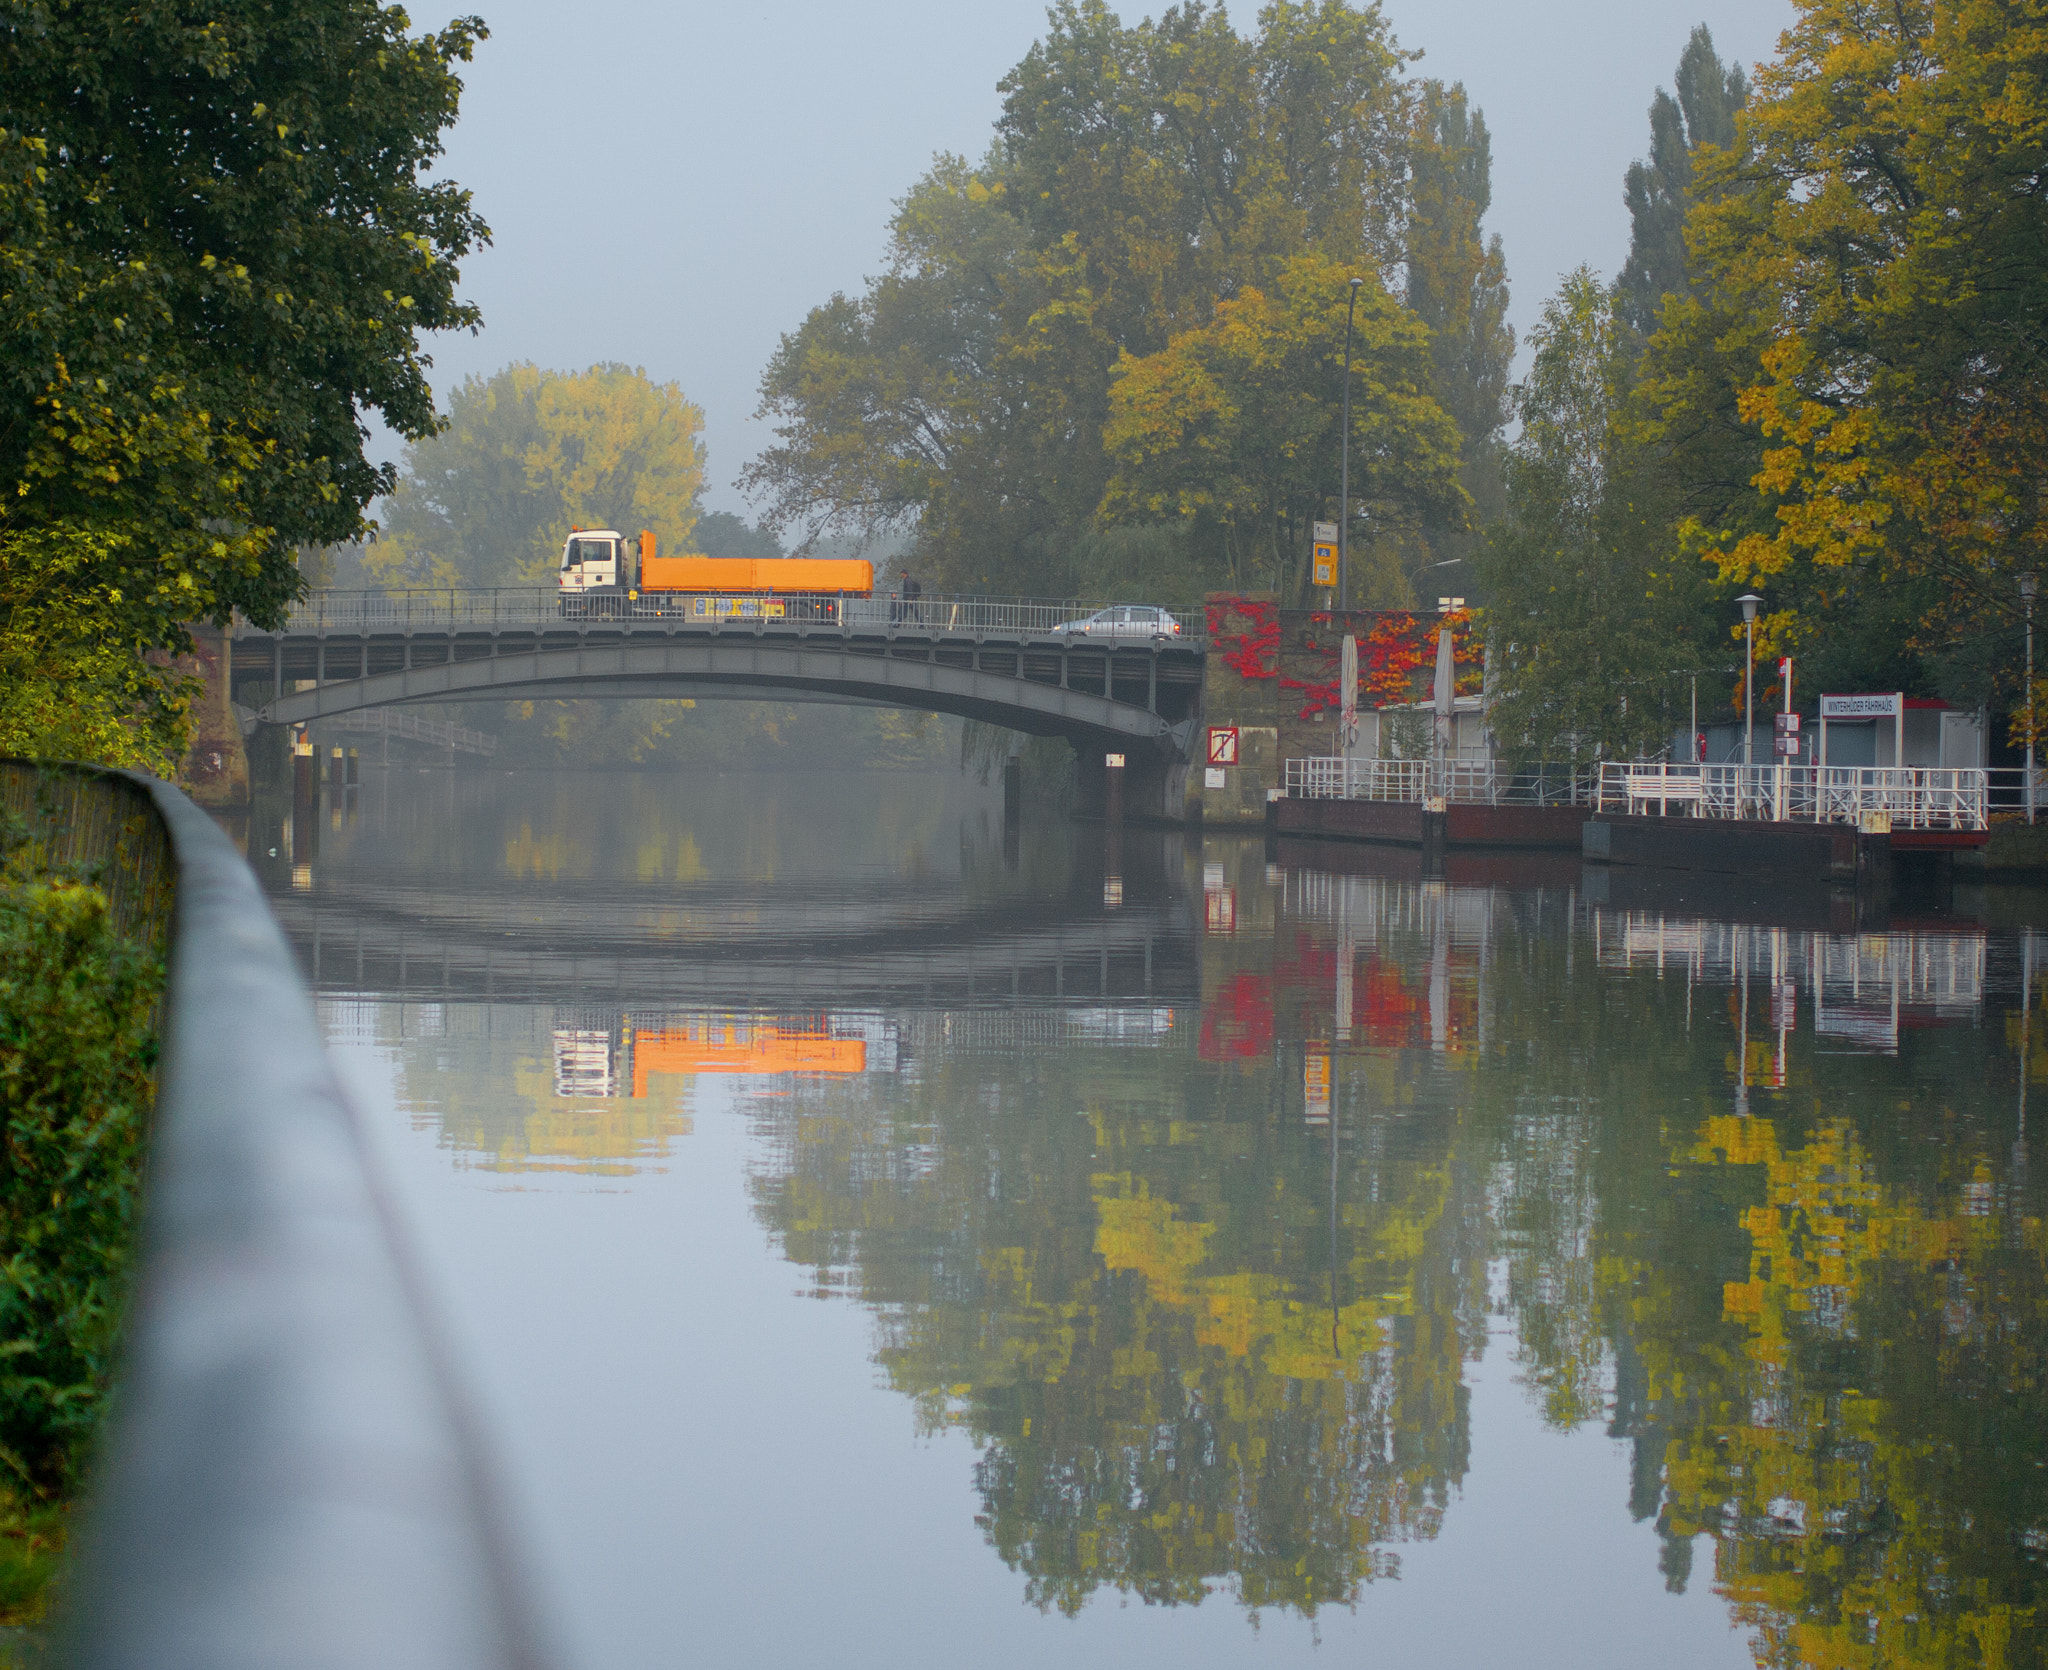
<point x="878" y="1244"/>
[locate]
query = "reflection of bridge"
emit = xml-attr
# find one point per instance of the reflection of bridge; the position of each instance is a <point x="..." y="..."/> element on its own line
<point x="421" y="942"/>
<point x="1007" y="663"/>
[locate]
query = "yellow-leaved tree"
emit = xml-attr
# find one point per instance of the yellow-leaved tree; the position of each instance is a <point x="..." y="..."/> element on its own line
<point x="529" y="454"/>
<point x="1881" y="218"/>
<point x="1234" y="427"/>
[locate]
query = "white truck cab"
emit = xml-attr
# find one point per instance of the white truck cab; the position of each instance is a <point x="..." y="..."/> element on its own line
<point x="592" y="558"/>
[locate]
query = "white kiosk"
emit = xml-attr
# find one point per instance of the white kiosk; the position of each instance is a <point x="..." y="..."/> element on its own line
<point x="1894" y="729"/>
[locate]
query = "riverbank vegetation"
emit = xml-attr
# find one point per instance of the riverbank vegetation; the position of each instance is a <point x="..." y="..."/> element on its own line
<point x="1105" y="359"/>
<point x="219" y="244"/>
<point x="1820" y="377"/>
<point x="78" y="1008"/>
<point x="1108" y="357"/>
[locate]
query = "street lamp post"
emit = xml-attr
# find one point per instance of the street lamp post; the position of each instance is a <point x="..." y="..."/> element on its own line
<point x="1344" y="468"/>
<point x="1749" y="601"/>
<point x="2027" y="586"/>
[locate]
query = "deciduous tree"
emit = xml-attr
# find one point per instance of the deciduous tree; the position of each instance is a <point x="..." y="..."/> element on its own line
<point x="1886" y="222"/>
<point x="526" y="456"/>
<point x="220" y="247"/>
<point x="1142" y="176"/>
<point x="1234" y="427"/>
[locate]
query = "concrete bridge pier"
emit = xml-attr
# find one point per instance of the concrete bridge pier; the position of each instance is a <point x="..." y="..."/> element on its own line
<point x="1013" y="782"/>
<point x="1154" y="783"/>
<point x="215" y="770"/>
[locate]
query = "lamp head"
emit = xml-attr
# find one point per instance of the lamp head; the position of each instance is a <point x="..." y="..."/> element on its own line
<point x="2028" y="586"/>
<point x="1750" y="602"/>
<point x="1356" y="282"/>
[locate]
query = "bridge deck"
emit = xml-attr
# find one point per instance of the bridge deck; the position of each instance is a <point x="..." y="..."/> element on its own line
<point x="1013" y="660"/>
<point x="517" y="608"/>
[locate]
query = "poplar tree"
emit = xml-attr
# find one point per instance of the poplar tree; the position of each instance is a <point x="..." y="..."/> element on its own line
<point x="1588" y="612"/>
<point x="1658" y="191"/>
<point x="1457" y="285"/>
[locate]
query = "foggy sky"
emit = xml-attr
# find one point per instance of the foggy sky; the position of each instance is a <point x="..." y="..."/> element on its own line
<point x="675" y="186"/>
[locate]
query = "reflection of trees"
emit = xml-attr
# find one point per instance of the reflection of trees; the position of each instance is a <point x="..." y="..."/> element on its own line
<point x="1131" y="1312"/>
<point x="1871" y="1463"/>
<point x="1821" y="1323"/>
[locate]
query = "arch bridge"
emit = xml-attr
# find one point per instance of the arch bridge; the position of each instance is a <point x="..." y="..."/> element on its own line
<point x="1034" y="667"/>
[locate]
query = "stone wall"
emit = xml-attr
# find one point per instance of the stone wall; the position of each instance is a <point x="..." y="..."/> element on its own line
<point x="1239" y="692"/>
<point x="1273" y="675"/>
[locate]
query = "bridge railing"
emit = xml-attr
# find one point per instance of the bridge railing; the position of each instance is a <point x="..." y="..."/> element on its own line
<point x="291" y="1473"/>
<point x="532" y="607"/>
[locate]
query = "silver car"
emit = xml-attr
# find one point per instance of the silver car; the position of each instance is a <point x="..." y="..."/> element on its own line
<point x="1122" y="620"/>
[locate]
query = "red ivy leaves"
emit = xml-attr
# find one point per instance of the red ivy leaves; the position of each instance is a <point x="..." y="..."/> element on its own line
<point x="1401" y="645"/>
<point x="1398" y="647"/>
<point x="1254" y="654"/>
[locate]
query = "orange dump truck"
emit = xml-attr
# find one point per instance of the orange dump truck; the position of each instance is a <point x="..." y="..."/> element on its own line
<point x="606" y="572"/>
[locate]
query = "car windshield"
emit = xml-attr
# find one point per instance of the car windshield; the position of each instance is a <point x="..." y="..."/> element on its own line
<point x="587" y="550"/>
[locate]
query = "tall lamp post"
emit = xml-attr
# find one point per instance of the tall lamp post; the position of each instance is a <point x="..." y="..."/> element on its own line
<point x="1344" y="468"/>
<point x="1749" y="601"/>
<point x="2027" y="586"/>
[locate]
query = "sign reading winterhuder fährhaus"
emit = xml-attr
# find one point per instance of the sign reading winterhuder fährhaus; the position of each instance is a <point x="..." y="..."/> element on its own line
<point x="1861" y="707"/>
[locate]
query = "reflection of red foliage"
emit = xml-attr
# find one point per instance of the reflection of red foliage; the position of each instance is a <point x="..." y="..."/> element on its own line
<point x="1313" y="962"/>
<point x="1384" y="1008"/>
<point x="1253" y="654"/>
<point x="1389" y="999"/>
<point x="1238" y="1025"/>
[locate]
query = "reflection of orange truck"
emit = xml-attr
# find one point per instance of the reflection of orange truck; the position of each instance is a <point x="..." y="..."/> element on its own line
<point x="600" y="564"/>
<point x="722" y="1046"/>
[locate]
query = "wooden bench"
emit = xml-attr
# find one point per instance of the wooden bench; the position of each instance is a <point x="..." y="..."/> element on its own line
<point x="1664" y="790"/>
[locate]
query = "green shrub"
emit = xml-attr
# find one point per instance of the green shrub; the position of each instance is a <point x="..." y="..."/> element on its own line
<point x="78" y="1011"/>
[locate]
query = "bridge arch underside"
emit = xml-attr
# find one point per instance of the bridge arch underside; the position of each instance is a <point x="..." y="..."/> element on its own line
<point x="1156" y="747"/>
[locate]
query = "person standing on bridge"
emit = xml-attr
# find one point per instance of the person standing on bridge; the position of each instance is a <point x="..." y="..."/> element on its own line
<point x="912" y="591"/>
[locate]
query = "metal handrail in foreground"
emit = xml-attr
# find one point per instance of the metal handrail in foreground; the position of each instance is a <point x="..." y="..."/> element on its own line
<point x="514" y="608"/>
<point x="291" y="1475"/>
